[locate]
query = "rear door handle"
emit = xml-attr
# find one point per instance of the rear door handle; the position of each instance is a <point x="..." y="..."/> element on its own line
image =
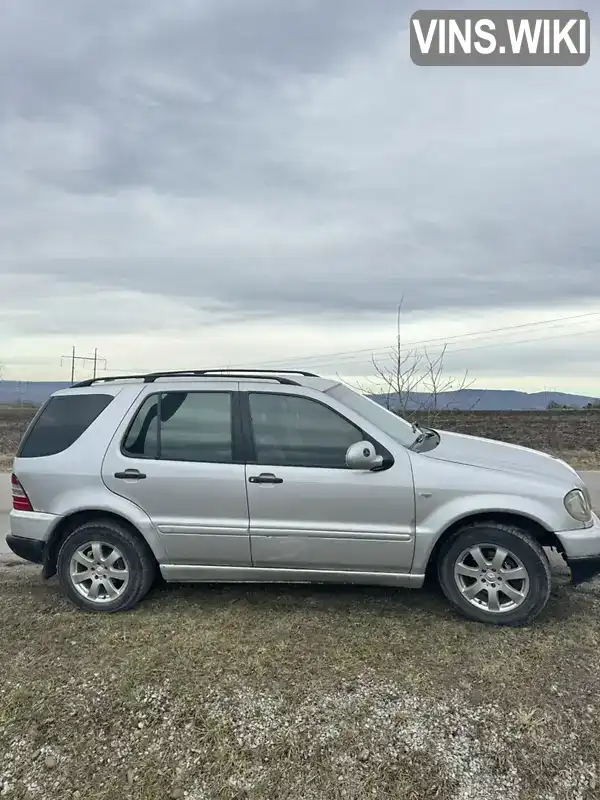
<point x="265" y="477"/>
<point x="130" y="475"/>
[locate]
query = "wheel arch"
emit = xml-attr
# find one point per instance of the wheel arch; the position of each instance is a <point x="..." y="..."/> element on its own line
<point x="71" y="522"/>
<point x="544" y="536"/>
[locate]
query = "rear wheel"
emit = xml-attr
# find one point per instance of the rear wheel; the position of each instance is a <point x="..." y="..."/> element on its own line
<point x="495" y="573"/>
<point x="102" y="566"/>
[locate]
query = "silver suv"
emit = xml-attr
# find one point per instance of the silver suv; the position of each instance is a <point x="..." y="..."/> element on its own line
<point x="216" y="475"/>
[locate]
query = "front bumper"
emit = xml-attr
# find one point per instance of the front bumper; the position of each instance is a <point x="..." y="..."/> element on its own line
<point x="582" y="551"/>
<point x="583" y="569"/>
<point x="29" y="549"/>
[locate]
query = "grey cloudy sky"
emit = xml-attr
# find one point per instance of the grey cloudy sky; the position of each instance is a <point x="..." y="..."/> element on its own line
<point x="238" y="181"/>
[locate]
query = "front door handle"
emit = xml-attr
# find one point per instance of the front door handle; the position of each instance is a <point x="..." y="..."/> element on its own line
<point x="265" y="477"/>
<point x="130" y="475"/>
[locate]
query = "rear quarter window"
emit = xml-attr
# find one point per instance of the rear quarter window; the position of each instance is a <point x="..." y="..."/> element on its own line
<point x="60" y="422"/>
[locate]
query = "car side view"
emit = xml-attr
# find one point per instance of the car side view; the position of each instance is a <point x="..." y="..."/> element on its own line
<point x="258" y="476"/>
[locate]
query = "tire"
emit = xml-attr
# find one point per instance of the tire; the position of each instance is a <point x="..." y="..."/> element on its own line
<point x="520" y="595"/>
<point x="92" y="548"/>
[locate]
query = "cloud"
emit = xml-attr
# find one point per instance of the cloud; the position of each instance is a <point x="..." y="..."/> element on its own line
<point x="221" y="163"/>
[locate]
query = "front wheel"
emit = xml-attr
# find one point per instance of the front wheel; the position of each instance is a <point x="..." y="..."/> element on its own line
<point x="495" y="573"/>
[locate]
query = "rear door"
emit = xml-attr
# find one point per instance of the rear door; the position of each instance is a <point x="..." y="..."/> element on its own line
<point x="307" y="509"/>
<point x="178" y="456"/>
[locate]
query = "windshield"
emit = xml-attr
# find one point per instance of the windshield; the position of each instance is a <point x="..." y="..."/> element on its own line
<point x="391" y="424"/>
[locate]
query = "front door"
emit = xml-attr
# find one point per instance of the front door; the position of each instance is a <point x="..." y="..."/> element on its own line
<point x="307" y="509"/>
<point x="194" y="491"/>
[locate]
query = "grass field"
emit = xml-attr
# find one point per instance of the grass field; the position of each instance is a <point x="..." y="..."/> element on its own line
<point x="294" y="693"/>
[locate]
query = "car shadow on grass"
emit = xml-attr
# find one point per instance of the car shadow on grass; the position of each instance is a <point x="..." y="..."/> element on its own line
<point x="327" y="598"/>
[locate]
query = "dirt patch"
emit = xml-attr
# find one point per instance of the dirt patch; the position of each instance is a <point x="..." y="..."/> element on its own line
<point x="580" y="459"/>
<point x="294" y="693"/>
<point x="555" y="431"/>
<point x="13" y="424"/>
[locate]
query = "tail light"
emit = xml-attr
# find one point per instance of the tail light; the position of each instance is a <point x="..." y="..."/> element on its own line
<point x="20" y="500"/>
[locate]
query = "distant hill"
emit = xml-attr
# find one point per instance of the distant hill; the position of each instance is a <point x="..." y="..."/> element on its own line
<point x="491" y="400"/>
<point x="35" y="392"/>
<point x="28" y="392"/>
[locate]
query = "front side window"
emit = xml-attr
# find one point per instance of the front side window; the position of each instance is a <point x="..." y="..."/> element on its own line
<point x="183" y="426"/>
<point x="387" y="421"/>
<point x="296" y="431"/>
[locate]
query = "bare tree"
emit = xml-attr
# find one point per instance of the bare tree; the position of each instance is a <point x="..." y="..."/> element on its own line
<point x="415" y="380"/>
<point x="439" y="387"/>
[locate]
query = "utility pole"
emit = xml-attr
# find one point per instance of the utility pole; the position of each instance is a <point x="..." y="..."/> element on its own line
<point x="95" y="360"/>
<point x="73" y="358"/>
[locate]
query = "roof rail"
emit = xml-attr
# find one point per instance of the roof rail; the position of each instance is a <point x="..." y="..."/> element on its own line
<point x="107" y="378"/>
<point x="150" y="377"/>
<point x="266" y="371"/>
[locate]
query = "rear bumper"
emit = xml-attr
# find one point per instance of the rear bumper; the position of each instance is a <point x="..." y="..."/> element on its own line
<point x="29" y="532"/>
<point x="29" y="549"/>
<point x="32" y="524"/>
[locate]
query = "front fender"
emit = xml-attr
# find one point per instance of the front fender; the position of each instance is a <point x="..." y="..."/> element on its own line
<point x="434" y="521"/>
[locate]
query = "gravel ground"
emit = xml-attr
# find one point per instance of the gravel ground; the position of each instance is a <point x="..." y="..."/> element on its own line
<point x="294" y="693"/>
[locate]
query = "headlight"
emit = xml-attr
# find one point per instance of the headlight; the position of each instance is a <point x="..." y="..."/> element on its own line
<point x="578" y="506"/>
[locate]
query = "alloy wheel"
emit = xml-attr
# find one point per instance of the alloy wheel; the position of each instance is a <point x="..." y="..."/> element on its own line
<point x="491" y="578"/>
<point x="99" y="572"/>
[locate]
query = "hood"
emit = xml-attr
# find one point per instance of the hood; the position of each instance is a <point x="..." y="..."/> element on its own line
<point x="490" y="454"/>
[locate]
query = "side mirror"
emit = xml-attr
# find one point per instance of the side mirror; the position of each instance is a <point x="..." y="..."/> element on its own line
<point x="362" y="455"/>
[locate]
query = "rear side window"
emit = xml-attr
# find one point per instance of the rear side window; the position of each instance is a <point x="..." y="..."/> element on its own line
<point x="196" y="426"/>
<point x="61" y="422"/>
<point x="142" y="437"/>
<point x="183" y="426"/>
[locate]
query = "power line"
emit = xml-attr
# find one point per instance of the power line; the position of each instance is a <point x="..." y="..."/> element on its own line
<point x="441" y="345"/>
<point x="480" y="346"/>
<point x="349" y="356"/>
<point x="439" y="339"/>
<point x="528" y="341"/>
<point x="353" y="361"/>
